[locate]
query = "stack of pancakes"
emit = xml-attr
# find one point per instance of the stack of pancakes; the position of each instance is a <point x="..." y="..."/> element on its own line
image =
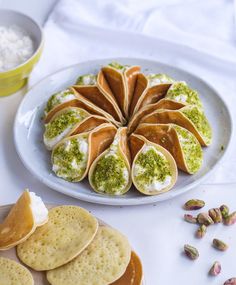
<point x="70" y="247"/>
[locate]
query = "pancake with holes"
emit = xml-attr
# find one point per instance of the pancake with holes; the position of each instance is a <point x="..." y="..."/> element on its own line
<point x="69" y="230"/>
<point x="104" y="261"/>
<point x="13" y="273"/>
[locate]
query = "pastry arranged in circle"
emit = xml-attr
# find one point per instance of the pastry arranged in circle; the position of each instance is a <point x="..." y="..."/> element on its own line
<point x="167" y="114"/>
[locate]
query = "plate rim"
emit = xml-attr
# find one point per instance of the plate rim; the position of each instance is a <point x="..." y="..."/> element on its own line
<point x="106" y="200"/>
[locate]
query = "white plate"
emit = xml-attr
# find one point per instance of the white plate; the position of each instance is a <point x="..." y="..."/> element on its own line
<point x="28" y="132"/>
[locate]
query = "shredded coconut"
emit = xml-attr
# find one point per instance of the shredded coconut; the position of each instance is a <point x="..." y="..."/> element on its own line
<point x="16" y="47"/>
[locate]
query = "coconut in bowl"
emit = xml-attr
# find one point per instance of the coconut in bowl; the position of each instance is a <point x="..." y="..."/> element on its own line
<point x="21" y="44"/>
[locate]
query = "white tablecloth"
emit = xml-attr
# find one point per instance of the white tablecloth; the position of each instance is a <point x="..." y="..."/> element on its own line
<point x="195" y="35"/>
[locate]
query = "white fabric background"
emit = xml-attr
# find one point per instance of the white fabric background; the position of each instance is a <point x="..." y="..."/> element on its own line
<point x="201" y="41"/>
<point x="199" y="36"/>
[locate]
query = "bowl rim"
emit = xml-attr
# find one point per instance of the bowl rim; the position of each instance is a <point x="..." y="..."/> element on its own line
<point x="19" y="68"/>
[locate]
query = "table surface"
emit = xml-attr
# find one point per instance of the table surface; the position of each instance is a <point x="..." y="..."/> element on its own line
<point x="157" y="232"/>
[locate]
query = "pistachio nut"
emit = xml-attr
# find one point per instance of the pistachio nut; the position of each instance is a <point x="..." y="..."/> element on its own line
<point x="215" y="269"/>
<point x="219" y="244"/>
<point x="191" y="252"/>
<point x="205" y="219"/>
<point x="190" y="219"/>
<point x="231" y="281"/>
<point x="201" y="231"/>
<point x="224" y="211"/>
<point x="230" y="219"/>
<point x="216" y="215"/>
<point x="194" y="204"/>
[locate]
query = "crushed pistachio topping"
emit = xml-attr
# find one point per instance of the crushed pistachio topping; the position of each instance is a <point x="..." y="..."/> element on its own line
<point x="70" y="158"/>
<point x="87" y="79"/>
<point x="59" y="98"/>
<point x="111" y="175"/>
<point x="155" y="79"/>
<point x="181" y="92"/>
<point x="60" y="123"/>
<point x="152" y="168"/>
<point x="191" y="149"/>
<point x="198" y="118"/>
<point x="118" y="66"/>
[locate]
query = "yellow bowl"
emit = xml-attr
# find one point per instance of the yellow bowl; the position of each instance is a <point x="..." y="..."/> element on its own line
<point x="14" y="79"/>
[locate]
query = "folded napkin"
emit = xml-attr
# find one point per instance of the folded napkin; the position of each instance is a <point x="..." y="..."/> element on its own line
<point x="198" y="36"/>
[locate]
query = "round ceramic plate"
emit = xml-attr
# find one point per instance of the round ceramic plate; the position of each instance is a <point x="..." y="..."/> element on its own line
<point x="28" y="132"/>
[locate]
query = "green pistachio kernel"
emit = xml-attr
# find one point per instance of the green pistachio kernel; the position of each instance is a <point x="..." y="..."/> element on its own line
<point x="191" y="149"/>
<point x="198" y="118"/>
<point x="181" y="92"/>
<point x="109" y="175"/>
<point x="153" y="167"/>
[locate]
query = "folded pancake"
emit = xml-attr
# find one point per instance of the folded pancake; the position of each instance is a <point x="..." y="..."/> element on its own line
<point x="133" y="274"/>
<point x="69" y="230"/>
<point x="149" y="89"/>
<point x="68" y="122"/>
<point x="154" y="170"/>
<point x="71" y="98"/>
<point x="121" y="80"/>
<point x="110" y="171"/>
<point x="181" y="92"/>
<point x="99" y="94"/>
<point x="148" y="109"/>
<point x="72" y="157"/>
<point x="189" y="117"/>
<point x="25" y="216"/>
<point x="102" y="262"/>
<point x="180" y="142"/>
<point x="13" y="273"/>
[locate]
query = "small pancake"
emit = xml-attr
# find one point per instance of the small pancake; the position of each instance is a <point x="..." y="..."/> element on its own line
<point x="122" y="81"/>
<point x="13" y="273"/>
<point x="21" y="221"/>
<point x="101" y="263"/>
<point x="133" y="274"/>
<point x="148" y="90"/>
<point x="110" y="171"/>
<point x="70" y="229"/>
<point x="189" y="117"/>
<point x="180" y="142"/>
<point x="72" y="157"/>
<point x="154" y="169"/>
<point x="145" y="110"/>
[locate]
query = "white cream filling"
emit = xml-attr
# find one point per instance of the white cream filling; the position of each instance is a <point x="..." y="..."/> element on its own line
<point x="39" y="210"/>
<point x="50" y="143"/>
<point x="181" y="98"/>
<point x="156" y="80"/>
<point x="89" y="80"/>
<point x="159" y="185"/>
